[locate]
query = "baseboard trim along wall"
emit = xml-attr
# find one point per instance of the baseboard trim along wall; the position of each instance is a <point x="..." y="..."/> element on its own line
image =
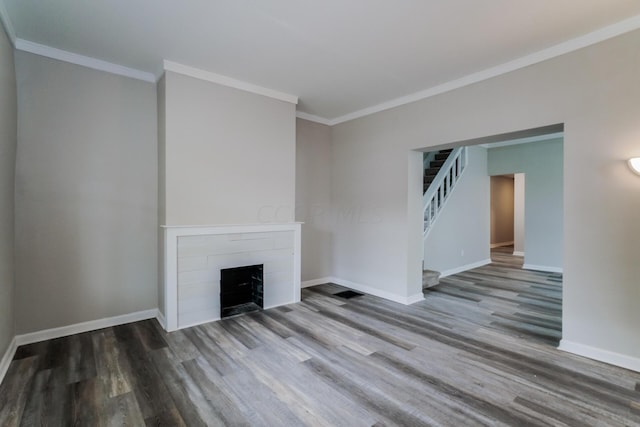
<point x="600" y="355"/>
<point x="7" y="358"/>
<point x="377" y="292"/>
<point x="465" y="267"/>
<point x="544" y="268"/>
<point x="315" y="282"/>
<point x="91" y="325"/>
<point x="365" y="289"/>
<point x="161" y="319"/>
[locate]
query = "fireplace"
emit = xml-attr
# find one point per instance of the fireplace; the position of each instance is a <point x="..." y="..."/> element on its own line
<point x="241" y="290"/>
<point x="194" y="257"/>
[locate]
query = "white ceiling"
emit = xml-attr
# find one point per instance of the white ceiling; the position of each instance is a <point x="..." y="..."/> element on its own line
<point x="338" y="56"/>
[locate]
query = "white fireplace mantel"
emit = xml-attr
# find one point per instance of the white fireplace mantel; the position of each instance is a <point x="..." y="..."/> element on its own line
<point x="288" y="234"/>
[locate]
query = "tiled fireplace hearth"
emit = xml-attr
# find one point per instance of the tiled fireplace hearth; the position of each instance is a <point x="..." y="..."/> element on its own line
<point x="194" y="256"/>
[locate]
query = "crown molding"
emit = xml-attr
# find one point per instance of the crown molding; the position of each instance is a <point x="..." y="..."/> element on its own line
<point x="85" y="61"/>
<point x="228" y="81"/>
<point x="313" y="118"/>
<point x="523" y="140"/>
<point x="8" y="27"/>
<point x="574" y="44"/>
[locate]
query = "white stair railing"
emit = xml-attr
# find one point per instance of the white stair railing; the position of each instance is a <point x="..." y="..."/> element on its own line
<point x="442" y="185"/>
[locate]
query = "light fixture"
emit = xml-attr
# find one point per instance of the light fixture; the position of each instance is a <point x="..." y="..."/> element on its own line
<point x="634" y="164"/>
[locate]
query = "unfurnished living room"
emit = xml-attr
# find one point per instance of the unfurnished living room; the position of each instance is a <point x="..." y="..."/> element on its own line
<point x="330" y="213"/>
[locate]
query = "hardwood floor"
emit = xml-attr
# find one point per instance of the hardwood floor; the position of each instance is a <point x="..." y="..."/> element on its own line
<point x="478" y="351"/>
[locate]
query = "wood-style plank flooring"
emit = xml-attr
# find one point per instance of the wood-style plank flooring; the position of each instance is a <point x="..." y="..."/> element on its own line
<point x="479" y="351"/>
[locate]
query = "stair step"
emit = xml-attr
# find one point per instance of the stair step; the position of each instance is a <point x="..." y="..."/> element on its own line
<point x="441" y="156"/>
<point x="431" y="171"/>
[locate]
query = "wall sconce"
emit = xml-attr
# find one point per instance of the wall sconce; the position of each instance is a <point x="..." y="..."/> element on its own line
<point x="634" y="164"/>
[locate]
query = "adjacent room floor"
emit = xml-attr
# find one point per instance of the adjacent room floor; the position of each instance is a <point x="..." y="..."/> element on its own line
<point x="480" y="350"/>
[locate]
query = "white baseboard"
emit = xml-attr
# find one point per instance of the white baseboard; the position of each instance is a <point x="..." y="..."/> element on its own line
<point x="464" y="268"/>
<point x="518" y="253"/>
<point x="415" y="298"/>
<point x="314" y="282"/>
<point x="545" y="268"/>
<point x="377" y="292"/>
<point x="161" y="320"/>
<point x="91" y="325"/>
<point x="499" y="245"/>
<point x="600" y="355"/>
<point x="7" y="358"/>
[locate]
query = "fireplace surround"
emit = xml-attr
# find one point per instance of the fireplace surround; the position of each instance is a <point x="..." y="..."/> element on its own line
<point x="194" y="257"/>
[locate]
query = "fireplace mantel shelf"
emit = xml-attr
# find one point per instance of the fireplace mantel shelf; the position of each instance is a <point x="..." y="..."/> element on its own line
<point x="269" y="225"/>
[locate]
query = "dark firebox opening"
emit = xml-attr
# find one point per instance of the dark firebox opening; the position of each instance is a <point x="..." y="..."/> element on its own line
<point x="241" y="290"/>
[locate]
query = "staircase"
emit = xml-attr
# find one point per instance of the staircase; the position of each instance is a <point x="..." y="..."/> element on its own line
<point x="442" y="170"/>
<point x="432" y="166"/>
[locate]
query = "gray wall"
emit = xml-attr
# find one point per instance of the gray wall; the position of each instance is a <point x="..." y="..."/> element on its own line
<point x="8" y="138"/>
<point x="541" y="162"/>
<point x="460" y="235"/>
<point x="594" y="91"/>
<point x="86" y="195"/>
<point x="313" y="197"/>
<point x="161" y="98"/>
<point x="229" y="155"/>
<point x="502" y="209"/>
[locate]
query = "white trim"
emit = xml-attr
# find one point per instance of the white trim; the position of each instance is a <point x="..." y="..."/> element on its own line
<point x="545" y="268"/>
<point x="377" y="292"/>
<point x="464" y="268"/>
<point x="415" y="298"/>
<point x="314" y="282"/>
<point x="606" y="356"/>
<point x="568" y="46"/>
<point x="498" y="245"/>
<point x="228" y="81"/>
<point x="526" y="140"/>
<point x="171" y="234"/>
<point x="7" y="358"/>
<point x="297" y="262"/>
<point x="79" y="328"/>
<point x="313" y="118"/>
<point x="195" y="230"/>
<point x="85" y="61"/>
<point x="8" y="26"/>
<point x="161" y="319"/>
<point x="518" y="253"/>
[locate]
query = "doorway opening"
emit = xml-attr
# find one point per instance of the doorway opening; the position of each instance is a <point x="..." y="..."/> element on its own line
<point x="498" y="236"/>
<point x="507" y="218"/>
